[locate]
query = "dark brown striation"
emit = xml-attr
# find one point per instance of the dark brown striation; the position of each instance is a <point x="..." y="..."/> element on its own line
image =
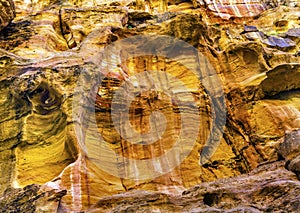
<point x="7" y="12"/>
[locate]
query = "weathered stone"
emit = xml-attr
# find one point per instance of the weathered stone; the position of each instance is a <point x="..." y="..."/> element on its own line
<point x="31" y="198"/>
<point x="7" y="12"/>
<point x="262" y="191"/>
<point x="294" y="32"/>
<point x="255" y="36"/>
<point x="80" y="22"/>
<point x="279" y="42"/>
<point x="290" y="150"/>
<point x="50" y="44"/>
<point x="250" y="28"/>
<point x="290" y="147"/>
<point x="294" y="166"/>
<point x="282" y="78"/>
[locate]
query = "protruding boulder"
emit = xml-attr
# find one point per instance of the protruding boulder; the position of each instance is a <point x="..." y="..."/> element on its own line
<point x="290" y="150"/>
<point x="284" y="77"/>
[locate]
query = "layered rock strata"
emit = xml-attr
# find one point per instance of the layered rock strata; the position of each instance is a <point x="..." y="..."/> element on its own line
<point x="54" y="53"/>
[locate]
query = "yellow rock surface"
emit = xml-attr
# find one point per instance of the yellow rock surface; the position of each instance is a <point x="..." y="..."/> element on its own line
<point x="53" y="55"/>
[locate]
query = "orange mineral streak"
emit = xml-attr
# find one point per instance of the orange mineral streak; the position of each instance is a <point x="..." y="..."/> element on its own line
<point x="83" y="181"/>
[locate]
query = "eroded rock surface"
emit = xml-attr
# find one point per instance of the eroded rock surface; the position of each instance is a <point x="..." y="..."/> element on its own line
<point x="289" y="149"/>
<point x="52" y="48"/>
<point x="7" y="9"/>
<point x="32" y="198"/>
<point x="275" y="189"/>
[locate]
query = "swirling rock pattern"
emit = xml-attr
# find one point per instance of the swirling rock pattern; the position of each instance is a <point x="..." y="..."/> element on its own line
<point x="7" y="12"/>
<point x="50" y="44"/>
<point x="240" y="8"/>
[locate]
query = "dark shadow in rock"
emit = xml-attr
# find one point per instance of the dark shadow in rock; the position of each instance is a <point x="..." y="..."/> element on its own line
<point x="15" y="34"/>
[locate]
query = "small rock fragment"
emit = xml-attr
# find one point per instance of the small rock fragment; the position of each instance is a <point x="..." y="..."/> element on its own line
<point x="227" y="9"/>
<point x="294" y="32"/>
<point x="254" y="35"/>
<point x="250" y="28"/>
<point x="274" y="41"/>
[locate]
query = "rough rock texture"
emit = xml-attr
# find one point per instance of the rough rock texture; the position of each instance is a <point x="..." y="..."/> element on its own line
<point x="53" y="47"/>
<point x="32" y="198"/>
<point x="289" y="150"/>
<point x="275" y="189"/>
<point x="7" y="12"/>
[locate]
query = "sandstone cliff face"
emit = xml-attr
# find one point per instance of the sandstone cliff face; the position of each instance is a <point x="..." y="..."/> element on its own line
<point x="62" y="129"/>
